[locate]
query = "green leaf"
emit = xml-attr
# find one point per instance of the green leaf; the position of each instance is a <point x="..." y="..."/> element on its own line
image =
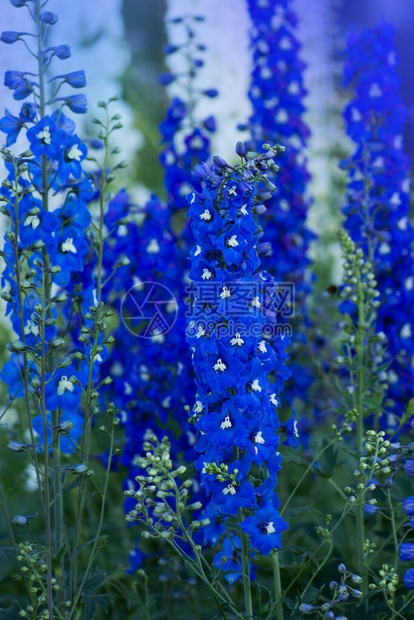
<point x="92" y="602"/>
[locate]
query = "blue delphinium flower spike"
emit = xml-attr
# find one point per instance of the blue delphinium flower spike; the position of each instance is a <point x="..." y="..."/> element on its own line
<point x="235" y="410"/>
<point x="277" y="95"/>
<point x="376" y="213"/>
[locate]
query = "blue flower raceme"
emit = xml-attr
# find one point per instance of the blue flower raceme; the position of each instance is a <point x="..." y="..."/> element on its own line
<point x="185" y="138"/>
<point x="39" y="232"/>
<point x="277" y="95"/>
<point x="377" y="209"/>
<point x="154" y="379"/>
<point x="235" y="410"/>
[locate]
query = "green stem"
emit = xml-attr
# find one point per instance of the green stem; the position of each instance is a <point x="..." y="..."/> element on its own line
<point x="55" y="415"/>
<point x="305" y="473"/>
<point x="394" y="529"/>
<point x="7" y="519"/>
<point x="247" y="590"/>
<point x="98" y="533"/>
<point x="326" y="539"/>
<point x="23" y="335"/>
<point x="277" y="583"/>
<point x="360" y="387"/>
<point x="46" y="464"/>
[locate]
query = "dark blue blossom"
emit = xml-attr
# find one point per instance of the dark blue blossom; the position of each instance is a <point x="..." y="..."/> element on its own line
<point x="70" y="428"/>
<point x="19" y="83"/>
<point x="265" y="528"/>
<point x="73" y="153"/>
<point x="277" y="95"/>
<point x="409" y="505"/>
<point x="377" y="209"/>
<point x="235" y="410"/>
<point x="229" y="559"/>
<point x="409" y="579"/>
<point x="46" y="138"/>
<point x="407" y="552"/>
<point x="61" y="392"/>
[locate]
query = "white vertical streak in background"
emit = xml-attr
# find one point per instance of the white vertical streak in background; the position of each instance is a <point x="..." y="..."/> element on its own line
<point x="225" y="32"/>
<point x="323" y="116"/>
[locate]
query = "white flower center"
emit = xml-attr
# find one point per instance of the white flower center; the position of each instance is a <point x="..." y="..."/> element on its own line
<point x="232" y="191"/>
<point x="226" y="423"/>
<point x="206" y="216"/>
<point x="229" y="490"/>
<point x="153" y="247"/>
<point x="258" y="438"/>
<point x="219" y="366"/>
<point x="375" y="91"/>
<point x="262" y="346"/>
<point x="197" y="143"/>
<point x="200" y="332"/>
<point x="45" y="136"/>
<point x="243" y="209"/>
<point x="206" y="275"/>
<point x="225" y="293"/>
<point x="237" y="340"/>
<point x="295" y="429"/>
<point x="198" y="251"/>
<point x="269" y="528"/>
<point x="74" y="153"/>
<point x="198" y="406"/>
<point x="63" y="385"/>
<point x="256" y="386"/>
<point x="67" y="246"/>
<point x="232" y="242"/>
<point x="256" y="302"/>
<point x="31" y="328"/>
<point x="32" y="220"/>
<point x="273" y="399"/>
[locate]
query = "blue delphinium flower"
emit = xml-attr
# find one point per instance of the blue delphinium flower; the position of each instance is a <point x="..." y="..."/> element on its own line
<point x="407" y="552"/>
<point x="409" y="579"/>
<point x="235" y="409"/>
<point x="409" y="505"/>
<point x="265" y="528"/>
<point x="39" y="232"/>
<point x="229" y="559"/>
<point x="277" y="95"/>
<point x="70" y="428"/>
<point x="376" y="213"/>
<point x="154" y="379"/>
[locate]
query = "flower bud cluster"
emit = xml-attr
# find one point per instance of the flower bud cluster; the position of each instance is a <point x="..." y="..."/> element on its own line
<point x="161" y="499"/>
<point x="387" y="582"/>
<point x="340" y="593"/>
<point x="33" y="568"/>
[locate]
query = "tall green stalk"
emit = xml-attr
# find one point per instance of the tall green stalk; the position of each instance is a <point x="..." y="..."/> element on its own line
<point x="277" y="583"/>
